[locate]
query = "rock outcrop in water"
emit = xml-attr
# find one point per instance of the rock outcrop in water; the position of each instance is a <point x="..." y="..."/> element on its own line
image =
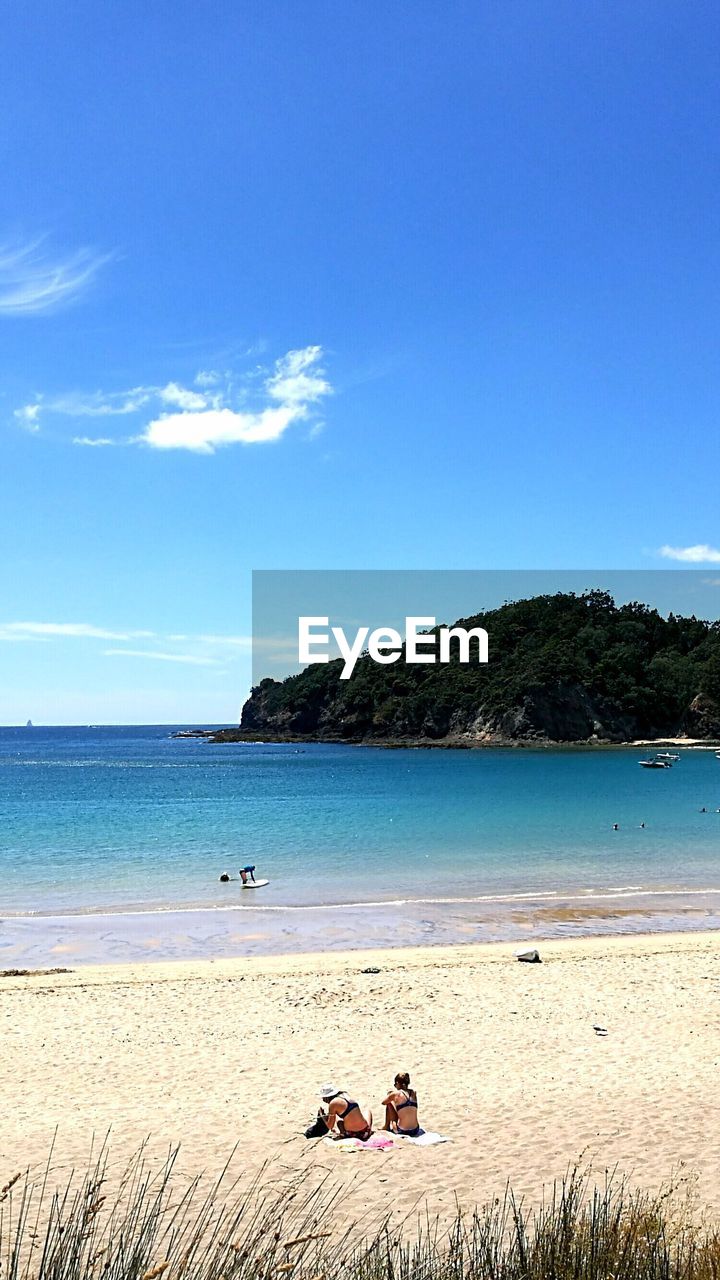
<point x="562" y="669"/>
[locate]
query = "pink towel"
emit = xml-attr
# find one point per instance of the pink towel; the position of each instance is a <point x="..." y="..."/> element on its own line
<point x="376" y="1142"/>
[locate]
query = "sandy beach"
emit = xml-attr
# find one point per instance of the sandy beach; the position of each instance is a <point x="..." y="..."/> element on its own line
<point x="504" y="1057"/>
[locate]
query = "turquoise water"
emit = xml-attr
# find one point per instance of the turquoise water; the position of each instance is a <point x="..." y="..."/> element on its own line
<point x="117" y="819"/>
<point x="112" y="841"/>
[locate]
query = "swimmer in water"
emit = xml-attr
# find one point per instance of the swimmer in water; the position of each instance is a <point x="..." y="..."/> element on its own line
<point x="616" y="826"/>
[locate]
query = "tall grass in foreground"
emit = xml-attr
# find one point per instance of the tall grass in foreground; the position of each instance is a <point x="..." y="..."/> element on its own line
<point x="155" y="1225"/>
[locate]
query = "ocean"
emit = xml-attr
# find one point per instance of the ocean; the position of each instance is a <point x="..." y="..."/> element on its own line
<point x="112" y="841"/>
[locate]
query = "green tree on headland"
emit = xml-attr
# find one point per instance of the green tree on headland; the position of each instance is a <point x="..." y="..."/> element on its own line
<point x="564" y="667"/>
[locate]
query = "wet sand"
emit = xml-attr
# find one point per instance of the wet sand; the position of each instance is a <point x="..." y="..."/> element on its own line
<point x="201" y="934"/>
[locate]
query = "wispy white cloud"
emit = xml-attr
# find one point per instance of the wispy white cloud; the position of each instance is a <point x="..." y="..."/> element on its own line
<point x="298" y="379"/>
<point x="295" y="384"/>
<point x="700" y="553"/>
<point x="194" y="660"/>
<point x="67" y="630"/>
<point x="98" y="404"/>
<point x="232" y="642"/>
<point x="209" y="650"/>
<point x="32" y="281"/>
<point x="18" y="637"/>
<point x="95" y="442"/>
<point x="174" y="394"/>
<point x="267" y="403"/>
<point x="94" y="404"/>
<point x="28" y="416"/>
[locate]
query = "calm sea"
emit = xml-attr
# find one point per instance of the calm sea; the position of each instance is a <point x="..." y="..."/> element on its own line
<point x="122" y="833"/>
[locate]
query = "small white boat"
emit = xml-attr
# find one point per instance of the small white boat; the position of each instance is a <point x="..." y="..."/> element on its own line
<point x="655" y="764"/>
<point x="670" y="756"/>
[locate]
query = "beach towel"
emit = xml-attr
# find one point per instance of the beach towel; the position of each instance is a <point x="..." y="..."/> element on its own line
<point x="376" y="1142"/>
<point x="424" y="1139"/>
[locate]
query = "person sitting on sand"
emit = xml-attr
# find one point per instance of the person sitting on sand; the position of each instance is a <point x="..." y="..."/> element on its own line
<point x="401" y="1108"/>
<point x="346" y="1116"/>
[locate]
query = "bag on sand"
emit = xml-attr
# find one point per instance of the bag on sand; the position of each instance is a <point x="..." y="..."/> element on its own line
<point x="318" y="1128"/>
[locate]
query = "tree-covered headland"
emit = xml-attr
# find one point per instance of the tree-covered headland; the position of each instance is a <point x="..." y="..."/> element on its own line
<point x="562" y="668"/>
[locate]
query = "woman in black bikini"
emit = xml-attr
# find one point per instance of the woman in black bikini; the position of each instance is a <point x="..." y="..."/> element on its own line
<point x="345" y="1115"/>
<point x="401" y="1108"/>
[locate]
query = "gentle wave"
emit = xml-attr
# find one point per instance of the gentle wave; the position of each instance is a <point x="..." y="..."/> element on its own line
<point x="102" y="764"/>
<point x="586" y="896"/>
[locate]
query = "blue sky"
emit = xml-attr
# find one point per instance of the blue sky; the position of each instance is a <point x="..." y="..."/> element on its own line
<point x="339" y="286"/>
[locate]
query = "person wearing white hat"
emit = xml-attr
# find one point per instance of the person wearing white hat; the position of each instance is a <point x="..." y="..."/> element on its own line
<point x="346" y="1116"/>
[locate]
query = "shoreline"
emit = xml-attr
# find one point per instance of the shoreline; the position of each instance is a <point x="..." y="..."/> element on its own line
<point x="246" y="934"/>
<point x="457" y="742"/>
<point x="411" y="957"/>
<point x="575" y="893"/>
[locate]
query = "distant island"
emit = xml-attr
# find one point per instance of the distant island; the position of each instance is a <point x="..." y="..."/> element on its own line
<point x="563" y="669"/>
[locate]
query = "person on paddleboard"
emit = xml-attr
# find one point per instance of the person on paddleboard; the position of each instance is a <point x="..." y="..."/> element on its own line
<point x="246" y="872"/>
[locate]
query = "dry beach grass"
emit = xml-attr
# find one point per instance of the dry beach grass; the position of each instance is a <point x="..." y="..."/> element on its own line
<point x="253" y="1230"/>
<point x="504" y="1056"/>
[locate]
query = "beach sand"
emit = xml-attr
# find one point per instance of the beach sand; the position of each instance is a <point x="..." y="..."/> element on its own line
<point x="503" y="1055"/>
